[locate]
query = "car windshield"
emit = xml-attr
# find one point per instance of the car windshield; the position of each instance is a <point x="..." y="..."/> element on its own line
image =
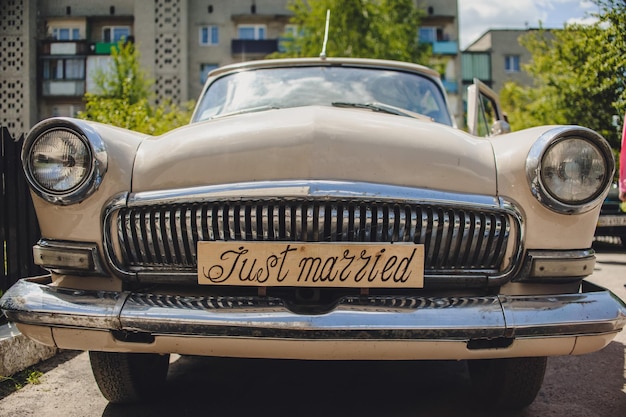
<point x="271" y="88"/>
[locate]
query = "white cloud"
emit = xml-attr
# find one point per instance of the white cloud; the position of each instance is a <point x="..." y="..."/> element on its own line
<point x="581" y="20"/>
<point x="478" y="16"/>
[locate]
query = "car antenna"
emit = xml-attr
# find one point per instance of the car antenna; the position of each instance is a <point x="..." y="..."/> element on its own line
<point x="323" y="53"/>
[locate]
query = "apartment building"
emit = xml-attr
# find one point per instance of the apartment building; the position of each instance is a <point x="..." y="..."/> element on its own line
<point x="51" y="49"/>
<point x="440" y="28"/>
<point x="496" y="58"/>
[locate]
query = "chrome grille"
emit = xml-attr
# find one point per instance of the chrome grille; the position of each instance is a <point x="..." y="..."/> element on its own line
<point x="457" y="240"/>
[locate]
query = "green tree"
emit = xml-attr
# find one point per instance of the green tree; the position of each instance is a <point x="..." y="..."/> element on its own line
<point x="384" y="29"/>
<point x="579" y="75"/>
<point x="124" y="97"/>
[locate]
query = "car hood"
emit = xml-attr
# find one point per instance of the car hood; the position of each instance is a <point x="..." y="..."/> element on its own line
<point x="317" y="143"/>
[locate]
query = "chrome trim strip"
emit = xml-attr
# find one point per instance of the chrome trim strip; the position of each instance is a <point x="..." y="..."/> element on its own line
<point x="595" y="311"/>
<point x="309" y="188"/>
<point x="116" y="203"/>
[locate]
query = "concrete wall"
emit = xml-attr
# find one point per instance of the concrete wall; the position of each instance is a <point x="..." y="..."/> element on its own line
<point x="18" y="88"/>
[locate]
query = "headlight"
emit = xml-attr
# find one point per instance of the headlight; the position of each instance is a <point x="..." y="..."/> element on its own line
<point x="59" y="161"/>
<point x="64" y="160"/>
<point x="570" y="169"/>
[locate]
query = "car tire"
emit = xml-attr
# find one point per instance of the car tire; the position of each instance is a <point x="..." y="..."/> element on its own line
<point x="509" y="383"/>
<point x="129" y="377"/>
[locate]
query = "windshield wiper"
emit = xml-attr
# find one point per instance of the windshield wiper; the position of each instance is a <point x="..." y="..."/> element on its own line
<point x="381" y="107"/>
<point x="242" y="111"/>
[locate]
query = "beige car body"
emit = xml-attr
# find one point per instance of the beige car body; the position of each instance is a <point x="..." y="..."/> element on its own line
<point x="536" y="304"/>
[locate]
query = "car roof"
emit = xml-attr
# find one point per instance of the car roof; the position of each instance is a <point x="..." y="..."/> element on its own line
<point x="294" y="62"/>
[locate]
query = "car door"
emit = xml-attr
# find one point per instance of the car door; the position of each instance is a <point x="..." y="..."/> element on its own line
<point x="484" y="114"/>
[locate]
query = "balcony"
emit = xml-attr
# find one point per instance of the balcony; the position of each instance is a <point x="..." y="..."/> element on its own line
<point x="101" y="48"/>
<point x="254" y="47"/>
<point x="53" y="47"/>
<point x="69" y="48"/>
<point x="63" y="88"/>
<point x="445" y="47"/>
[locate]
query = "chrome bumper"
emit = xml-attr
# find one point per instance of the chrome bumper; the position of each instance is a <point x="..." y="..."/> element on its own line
<point x="474" y="320"/>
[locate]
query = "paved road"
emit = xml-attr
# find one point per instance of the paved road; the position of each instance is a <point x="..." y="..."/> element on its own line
<point x="592" y="385"/>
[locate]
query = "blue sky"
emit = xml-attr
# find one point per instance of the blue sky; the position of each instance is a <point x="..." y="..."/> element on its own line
<point x="478" y="16"/>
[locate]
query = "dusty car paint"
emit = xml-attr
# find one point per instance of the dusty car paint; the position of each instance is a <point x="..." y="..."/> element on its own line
<point x="504" y="260"/>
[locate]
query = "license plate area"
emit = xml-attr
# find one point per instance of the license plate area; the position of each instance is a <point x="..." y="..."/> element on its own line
<point x="289" y="264"/>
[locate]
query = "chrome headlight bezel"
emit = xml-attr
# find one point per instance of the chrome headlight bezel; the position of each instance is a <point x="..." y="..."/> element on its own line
<point x="94" y="173"/>
<point x="534" y="167"/>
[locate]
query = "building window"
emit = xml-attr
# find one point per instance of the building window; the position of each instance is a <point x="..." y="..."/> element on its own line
<point x="114" y="34"/>
<point x="290" y="33"/>
<point x="98" y="64"/>
<point x="209" y="35"/>
<point x="431" y="34"/>
<point x="427" y="34"/>
<point x="64" y="69"/>
<point x="511" y="63"/>
<point x="66" y="34"/>
<point x="204" y="71"/>
<point x="251" y="32"/>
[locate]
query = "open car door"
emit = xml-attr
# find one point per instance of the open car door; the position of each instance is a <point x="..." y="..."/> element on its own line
<point x="484" y="115"/>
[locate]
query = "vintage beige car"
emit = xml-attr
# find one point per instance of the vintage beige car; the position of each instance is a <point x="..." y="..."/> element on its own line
<point x="315" y="209"/>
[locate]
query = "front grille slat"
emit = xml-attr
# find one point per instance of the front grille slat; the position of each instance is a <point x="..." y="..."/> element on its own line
<point x="262" y="217"/>
<point x="146" y="237"/>
<point x="122" y="235"/>
<point x="176" y="233"/>
<point x="166" y="237"/>
<point x="442" y="249"/>
<point x="229" y="224"/>
<point x="467" y="229"/>
<point x="268" y="222"/>
<point x="456" y="240"/>
<point x="317" y="217"/>
<point x="192" y="238"/>
<point x="477" y="238"/>
<point x="503" y="235"/>
<point x="135" y="234"/>
<point x="155" y="236"/>
<point x="354" y="223"/>
<point x="484" y="241"/>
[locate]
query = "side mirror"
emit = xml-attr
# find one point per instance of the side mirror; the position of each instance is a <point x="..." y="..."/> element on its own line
<point x="500" y="127"/>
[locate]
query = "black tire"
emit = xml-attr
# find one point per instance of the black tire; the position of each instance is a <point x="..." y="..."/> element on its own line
<point x="510" y="383"/>
<point x="129" y="377"/>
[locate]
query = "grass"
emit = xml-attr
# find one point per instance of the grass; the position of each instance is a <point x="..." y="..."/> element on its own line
<point x="33" y="375"/>
<point x="18" y="381"/>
